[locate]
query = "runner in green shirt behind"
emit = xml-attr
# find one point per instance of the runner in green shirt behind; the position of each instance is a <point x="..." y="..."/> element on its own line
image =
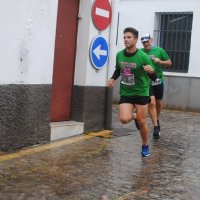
<point x="160" y="59"/>
<point x="133" y="65"/>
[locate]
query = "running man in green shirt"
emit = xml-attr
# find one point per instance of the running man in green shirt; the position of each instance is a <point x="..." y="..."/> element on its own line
<point x="134" y="66"/>
<point x="160" y="59"/>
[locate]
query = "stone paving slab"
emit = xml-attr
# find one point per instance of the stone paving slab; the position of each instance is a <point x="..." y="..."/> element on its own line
<point x="108" y="165"/>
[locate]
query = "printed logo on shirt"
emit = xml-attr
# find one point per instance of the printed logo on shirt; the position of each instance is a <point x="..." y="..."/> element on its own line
<point x="127" y="77"/>
<point x="127" y="64"/>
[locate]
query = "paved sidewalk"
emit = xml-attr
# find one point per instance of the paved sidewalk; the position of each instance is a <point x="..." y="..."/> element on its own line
<point x="108" y="165"/>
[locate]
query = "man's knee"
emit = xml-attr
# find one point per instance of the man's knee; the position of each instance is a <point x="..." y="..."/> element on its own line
<point x="142" y="121"/>
<point x="152" y="103"/>
<point x="152" y="106"/>
<point x="125" y="120"/>
<point x="159" y="103"/>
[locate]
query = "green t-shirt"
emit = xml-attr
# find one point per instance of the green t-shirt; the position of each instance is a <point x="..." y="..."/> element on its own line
<point x="158" y="53"/>
<point x="134" y="79"/>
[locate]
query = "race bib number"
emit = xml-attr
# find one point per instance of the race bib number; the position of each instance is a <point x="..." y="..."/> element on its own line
<point x="156" y="82"/>
<point x="127" y="79"/>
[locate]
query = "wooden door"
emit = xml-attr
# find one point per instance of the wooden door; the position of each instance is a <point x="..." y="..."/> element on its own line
<point x="64" y="59"/>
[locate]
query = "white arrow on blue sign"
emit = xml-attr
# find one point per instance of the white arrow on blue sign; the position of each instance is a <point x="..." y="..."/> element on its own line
<point x="98" y="52"/>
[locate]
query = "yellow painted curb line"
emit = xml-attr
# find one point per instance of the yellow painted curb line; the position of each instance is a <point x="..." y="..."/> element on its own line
<point x="104" y="134"/>
<point x="45" y="147"/>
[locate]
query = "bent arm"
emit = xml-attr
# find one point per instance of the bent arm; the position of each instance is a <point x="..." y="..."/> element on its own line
<point x="149" y="69"/>
<point x="116" y="74"/>
<point x="166" y="63"/>
<point x="114" y="77"/>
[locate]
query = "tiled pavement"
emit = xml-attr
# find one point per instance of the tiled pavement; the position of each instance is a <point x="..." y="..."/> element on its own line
<point x="108" y="165"/>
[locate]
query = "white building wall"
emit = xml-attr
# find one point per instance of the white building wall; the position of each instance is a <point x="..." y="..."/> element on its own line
<point x="27" y="40"/>
<point x="140" y="14"/>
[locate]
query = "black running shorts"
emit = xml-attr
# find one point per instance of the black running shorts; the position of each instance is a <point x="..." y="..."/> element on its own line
<point x="141" y="100"/>
<point x="157" y="91"/>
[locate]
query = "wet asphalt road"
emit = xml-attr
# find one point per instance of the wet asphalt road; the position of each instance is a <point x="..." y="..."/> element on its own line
<point x="108" y="165"/>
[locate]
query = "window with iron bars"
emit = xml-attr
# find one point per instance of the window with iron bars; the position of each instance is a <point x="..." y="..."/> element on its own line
<point x="173" y="33"/>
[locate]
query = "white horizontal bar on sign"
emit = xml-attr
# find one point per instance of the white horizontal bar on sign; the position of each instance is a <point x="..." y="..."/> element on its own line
<point x="102" y="12"/>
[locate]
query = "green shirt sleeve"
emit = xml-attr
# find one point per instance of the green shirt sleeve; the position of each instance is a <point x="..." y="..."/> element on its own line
<point x="164" y="55"/>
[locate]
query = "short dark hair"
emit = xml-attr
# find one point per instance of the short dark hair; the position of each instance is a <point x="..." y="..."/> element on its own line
<point x="131" y="30"/>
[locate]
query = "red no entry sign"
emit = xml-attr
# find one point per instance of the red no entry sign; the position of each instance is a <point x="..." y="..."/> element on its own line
<point x="101" y="14"/>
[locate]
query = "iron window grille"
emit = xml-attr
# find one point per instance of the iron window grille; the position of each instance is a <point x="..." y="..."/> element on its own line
<point x="173" y="33"/>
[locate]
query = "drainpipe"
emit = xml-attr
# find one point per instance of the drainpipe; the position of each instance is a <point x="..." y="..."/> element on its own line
<point x="111" y="64"/>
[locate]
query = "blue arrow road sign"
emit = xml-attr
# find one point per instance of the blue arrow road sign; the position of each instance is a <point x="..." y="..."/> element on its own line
<point x="98" y="52"/>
